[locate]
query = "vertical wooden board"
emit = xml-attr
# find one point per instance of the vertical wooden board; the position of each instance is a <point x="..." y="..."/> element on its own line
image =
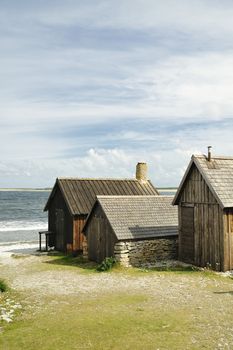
<point x="208" y="241"/>
<point x="230" y="220"/>
<point x="196" y="235"/>
<point x="221" y="231"/>
<point x="183" y="198"/>
<point x="180" y="233"/>
<point x="201" y="189"/>
<point x="210" y="237"/>
<point x="81" y="236"/>
<point x="102" y="240"/>
<point x="187" y="234"/>
<point x="202" y="244"/>
<point x="225" y="243"/>
<point x="198" y="187"/>
<point x="78" y="224"/>
<point x="190" y="186"/>
<point x="76" y="244"/>
<point x="216" y="238"/>
<point x="204" y="236"/>
<point x="229" y="240"/>
<point x="92" y="239"/>
<point x="74" y="234"/>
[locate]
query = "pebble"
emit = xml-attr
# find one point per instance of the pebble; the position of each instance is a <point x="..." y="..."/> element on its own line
<point x="7" y="312"/>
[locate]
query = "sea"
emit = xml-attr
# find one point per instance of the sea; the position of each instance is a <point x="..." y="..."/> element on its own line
<point x="22" y="215"/>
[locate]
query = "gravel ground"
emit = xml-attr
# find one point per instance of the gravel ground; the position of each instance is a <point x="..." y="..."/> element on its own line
<point x="20" y="264"/>
<point x="209" y="298"/>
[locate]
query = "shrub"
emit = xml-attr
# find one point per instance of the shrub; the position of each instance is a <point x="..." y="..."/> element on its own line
<point x="106" y="264"/>
<point x="3" y="286"/>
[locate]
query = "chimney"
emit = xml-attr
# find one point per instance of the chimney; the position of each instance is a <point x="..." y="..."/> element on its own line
<point x="209" y="153"/>
<point x="141" y="172"/>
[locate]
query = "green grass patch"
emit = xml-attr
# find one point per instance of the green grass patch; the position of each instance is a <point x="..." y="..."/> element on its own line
<point x="71" y="261"/>
<point x="117" y="321"/>
<point x="3" y="286"/>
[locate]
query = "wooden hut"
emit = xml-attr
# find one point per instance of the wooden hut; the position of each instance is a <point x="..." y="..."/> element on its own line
<point x="134" y="229"/>
<point x="205" y="208"/>
<point x="71" y="201"/>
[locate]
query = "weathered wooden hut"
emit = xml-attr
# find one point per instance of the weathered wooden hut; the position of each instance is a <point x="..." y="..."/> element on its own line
<point x="134" y="229"/>
<point x="71" y="201"/>
<point x="205" y="209"/>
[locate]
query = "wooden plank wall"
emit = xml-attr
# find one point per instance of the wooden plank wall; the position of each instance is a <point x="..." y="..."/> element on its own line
<point x="208" y="222"/>
<point x="78" y="236"/>
<point x="186" y="239"/>
<point x="100" y="237"/>
<point x="228" y="239"/>
<point x="58" y="203"/>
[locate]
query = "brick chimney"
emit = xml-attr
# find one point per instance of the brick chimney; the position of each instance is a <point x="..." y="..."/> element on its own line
<point x="141" y="172"/>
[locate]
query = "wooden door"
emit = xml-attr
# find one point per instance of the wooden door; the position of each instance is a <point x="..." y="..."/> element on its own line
<point x="60" y="234"/>
<point x="230" y="240"/>
<point x="186" y="243"/>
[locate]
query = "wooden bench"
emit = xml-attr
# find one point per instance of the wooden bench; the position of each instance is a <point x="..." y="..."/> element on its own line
<point x="47" y="234"/>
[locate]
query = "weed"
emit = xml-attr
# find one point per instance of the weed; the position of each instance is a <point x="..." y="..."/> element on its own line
<point x="106" y="264"/>
<point x="3" y="286"/>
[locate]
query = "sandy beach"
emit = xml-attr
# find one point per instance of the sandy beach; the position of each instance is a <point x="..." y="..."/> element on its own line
<point x="7" y="249"/>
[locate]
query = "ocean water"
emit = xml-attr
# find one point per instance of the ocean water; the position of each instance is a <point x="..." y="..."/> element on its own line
<point x="21" y="215"/>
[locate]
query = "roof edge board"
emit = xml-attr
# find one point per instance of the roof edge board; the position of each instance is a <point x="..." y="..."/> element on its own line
<point x="97" y="202"/>
<point x="209" y="184"/>
<point x="174" y="202"/>
<point x="88" y="217"/>
<point x="66" y="201"/>
<point x="194" y="160"/>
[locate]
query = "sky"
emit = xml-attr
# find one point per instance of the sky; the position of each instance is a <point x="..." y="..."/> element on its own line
<point x="90" y="88"/>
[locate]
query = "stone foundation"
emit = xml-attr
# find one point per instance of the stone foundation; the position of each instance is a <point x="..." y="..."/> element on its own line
<point x="85" y="248"/>
<point x="138" y="253"/>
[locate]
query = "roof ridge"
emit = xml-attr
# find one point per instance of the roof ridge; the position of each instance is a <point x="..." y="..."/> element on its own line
<point x="212" y="157"/>
<point x="98" y="178"/>
<point x="135" y="196"/>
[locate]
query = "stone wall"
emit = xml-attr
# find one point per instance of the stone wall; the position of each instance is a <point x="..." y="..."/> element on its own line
<point x="138" y="253"/>
<point x="85" y="248"/>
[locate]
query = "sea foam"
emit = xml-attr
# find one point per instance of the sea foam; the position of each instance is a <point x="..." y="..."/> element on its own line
<point x="6" y="226"/>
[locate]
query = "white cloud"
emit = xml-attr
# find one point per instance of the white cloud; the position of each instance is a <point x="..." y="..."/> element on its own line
<point x="174" y="68"/>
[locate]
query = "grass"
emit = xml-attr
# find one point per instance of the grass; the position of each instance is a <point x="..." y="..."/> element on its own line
<point x="109" y="322"/>
<point x="114" y="320"/>
<point x="71" y="262"/>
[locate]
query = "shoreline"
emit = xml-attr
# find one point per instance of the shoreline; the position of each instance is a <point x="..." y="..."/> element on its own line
<point x="10" y="248"/>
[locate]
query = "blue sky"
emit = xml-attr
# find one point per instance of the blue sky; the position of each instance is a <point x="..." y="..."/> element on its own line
<point x="89" y="88"/>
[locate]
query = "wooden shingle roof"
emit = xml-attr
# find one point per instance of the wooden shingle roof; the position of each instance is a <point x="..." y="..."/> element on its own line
<point x="218" y="174"/>
<point x="80" y="194"/>
<point x="139" y="217"/>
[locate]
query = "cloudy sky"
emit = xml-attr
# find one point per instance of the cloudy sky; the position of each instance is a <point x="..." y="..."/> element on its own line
<point x="89" y="88"/>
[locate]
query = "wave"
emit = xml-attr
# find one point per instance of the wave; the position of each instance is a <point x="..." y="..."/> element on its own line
<point x="6" y="226"/>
